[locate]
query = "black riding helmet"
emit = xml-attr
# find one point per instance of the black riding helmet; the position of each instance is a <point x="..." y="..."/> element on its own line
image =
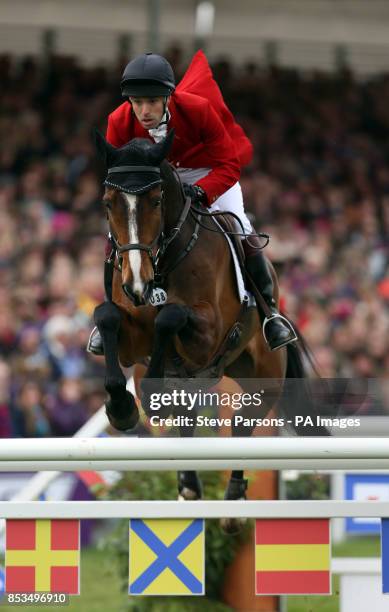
<point x="148" y="75"/>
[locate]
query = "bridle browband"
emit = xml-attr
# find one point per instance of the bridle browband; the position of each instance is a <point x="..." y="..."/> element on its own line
<point x="121" y="169"/>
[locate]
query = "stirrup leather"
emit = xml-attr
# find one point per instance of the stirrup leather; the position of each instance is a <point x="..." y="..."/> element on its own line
<point x="277" y="315"/>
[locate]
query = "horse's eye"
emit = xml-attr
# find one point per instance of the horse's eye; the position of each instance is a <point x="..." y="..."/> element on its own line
<point x="107" y="204"/>
<point x="156" y="202"/>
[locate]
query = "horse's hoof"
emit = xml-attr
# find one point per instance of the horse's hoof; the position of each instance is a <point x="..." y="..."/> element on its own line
<point x="232" y="526"/>
<point x="236" y="490"/>
<point x="189" y="487"/>
<point x="187" y="494"/>
<point x="122" y="415"/>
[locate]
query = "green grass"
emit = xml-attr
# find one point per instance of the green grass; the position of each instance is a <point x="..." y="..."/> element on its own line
<point x="353" y="547"/>
<point x="368" y="546"/>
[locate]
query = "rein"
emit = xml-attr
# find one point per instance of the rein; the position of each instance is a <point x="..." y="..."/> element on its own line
<point x="201" y="212"/>
<point x="163" y="242"/>
<point x="218" y="230"/>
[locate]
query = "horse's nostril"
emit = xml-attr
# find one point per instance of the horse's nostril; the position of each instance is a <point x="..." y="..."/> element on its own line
<point x="127" y="290"/>
<point x="136" y="297"/>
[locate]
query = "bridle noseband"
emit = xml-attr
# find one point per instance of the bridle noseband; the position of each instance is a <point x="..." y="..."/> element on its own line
<point x="138" y="246"/>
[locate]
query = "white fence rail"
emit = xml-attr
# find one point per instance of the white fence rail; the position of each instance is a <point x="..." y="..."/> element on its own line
<point x="143" y="454"/>
<point x="193" y="509"/>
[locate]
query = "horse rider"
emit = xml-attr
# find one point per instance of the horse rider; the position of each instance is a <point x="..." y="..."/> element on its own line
<point x="208" y="152"/>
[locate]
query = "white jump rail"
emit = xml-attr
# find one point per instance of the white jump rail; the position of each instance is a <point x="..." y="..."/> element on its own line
<point x="144" y="454"/>
<point x="193" y="509"/>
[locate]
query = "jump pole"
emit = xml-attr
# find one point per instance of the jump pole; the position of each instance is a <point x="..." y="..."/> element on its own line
<point x="158" y="454"/>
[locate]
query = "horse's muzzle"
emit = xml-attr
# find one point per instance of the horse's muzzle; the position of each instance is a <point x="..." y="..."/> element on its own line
<point x="136" y="297"/>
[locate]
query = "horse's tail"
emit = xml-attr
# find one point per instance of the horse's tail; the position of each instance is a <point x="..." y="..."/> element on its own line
<point x="297" y="399"/>
<point x="296" y="358"/>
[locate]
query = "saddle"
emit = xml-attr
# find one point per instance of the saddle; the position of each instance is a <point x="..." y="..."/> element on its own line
<point x="226" y="223"/>
<point x="229" y="228"/>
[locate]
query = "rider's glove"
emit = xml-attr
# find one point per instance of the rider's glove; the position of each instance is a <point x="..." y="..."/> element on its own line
<point x="196" y="194"/>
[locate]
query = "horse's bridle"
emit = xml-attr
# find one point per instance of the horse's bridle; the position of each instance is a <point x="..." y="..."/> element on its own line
<point x="137" y="246"/>
<point x="161" y="241"/>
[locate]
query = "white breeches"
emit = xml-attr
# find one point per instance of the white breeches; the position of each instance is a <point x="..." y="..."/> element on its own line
<point x="230" y="201"/>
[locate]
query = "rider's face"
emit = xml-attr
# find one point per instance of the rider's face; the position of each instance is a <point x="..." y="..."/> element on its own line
<point x="148" y="111"/>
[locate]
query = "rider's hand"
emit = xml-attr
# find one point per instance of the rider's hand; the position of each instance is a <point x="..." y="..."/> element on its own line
<point x="196" y="193"/>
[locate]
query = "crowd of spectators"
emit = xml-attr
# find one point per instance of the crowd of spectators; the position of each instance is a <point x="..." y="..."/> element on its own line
<point x="318" y="184"/>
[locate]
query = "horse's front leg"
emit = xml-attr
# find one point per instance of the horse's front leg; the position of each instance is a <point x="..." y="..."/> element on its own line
<point x="189" y="484"/>
<point x="121" y="408"/>
<point x="170" y="321"/>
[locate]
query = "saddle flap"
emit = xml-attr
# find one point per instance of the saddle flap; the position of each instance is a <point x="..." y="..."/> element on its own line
<point x="228" y="227"/>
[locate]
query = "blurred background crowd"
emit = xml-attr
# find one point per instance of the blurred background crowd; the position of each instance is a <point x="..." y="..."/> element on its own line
<point x="318" y="184"/>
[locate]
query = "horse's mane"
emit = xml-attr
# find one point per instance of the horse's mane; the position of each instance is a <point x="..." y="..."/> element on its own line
<point x="170" y="177"/>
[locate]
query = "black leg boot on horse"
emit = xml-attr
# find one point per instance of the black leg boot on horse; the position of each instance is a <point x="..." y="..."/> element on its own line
<point x="120" y="407"/>
<point x="171" y="320"/>
<point x="277" y="330"/>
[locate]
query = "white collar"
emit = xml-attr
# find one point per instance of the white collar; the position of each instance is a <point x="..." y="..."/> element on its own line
<point x="160" y="132"/>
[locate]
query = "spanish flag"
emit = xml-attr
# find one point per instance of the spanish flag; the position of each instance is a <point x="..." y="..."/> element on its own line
<point x="292" y="556"/>
<point x="42" y="556"/>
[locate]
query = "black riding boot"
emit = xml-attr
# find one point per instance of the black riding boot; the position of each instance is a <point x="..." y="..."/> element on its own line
<point x="276" y="329"/>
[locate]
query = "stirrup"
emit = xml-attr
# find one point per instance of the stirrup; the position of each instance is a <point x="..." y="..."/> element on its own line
<point x="292" y="338"/>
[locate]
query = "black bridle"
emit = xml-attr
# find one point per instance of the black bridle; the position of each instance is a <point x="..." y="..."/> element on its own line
<point x="161" y="241"/>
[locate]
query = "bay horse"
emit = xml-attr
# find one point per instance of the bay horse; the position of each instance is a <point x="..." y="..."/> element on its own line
<point x="163" y="251"/>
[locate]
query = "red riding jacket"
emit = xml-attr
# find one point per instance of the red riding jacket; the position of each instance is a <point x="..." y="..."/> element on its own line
<point x="206" y="135"/>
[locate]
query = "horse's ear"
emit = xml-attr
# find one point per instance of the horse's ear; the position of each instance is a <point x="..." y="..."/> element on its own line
<point x="104" y="149"/>
<point x="160" y="150"/>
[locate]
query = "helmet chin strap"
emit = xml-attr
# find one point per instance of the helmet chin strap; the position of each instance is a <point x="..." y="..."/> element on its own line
<point x="166" y="115"/>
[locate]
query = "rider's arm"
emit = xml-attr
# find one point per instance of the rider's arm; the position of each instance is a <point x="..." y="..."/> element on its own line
<point x="112" y="135"/>
<point x="118" y="128"/>
<point x="220" y="151"/>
